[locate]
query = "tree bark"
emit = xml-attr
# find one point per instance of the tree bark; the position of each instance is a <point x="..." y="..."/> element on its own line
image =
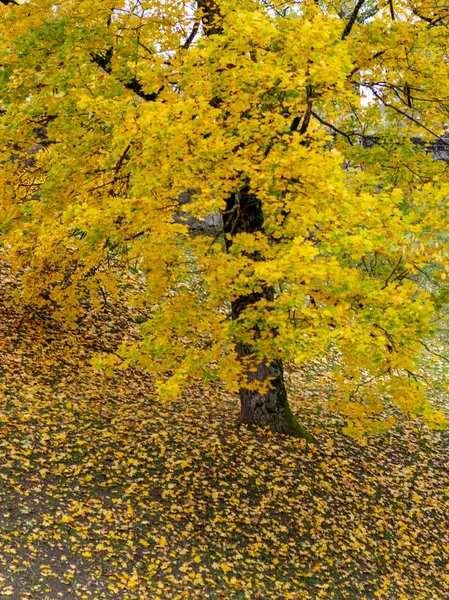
<point x="244" y="214"/>
<point x="271" y="408"/>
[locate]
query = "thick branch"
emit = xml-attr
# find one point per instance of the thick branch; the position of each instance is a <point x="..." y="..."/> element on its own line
<point x="352" y="19"/>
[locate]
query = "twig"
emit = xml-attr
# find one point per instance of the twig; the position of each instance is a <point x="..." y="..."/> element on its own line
<point x="431" y="351"/>
<point x="406" y="115"/>
<point x="323" y="122"/>
<point x="387" y="281"/>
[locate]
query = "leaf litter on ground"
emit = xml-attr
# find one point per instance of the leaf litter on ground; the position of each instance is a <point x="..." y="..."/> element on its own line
<point x="108" y="493"/>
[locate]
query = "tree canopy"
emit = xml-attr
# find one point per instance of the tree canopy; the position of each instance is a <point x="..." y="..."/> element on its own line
<point x="306" y="125"/>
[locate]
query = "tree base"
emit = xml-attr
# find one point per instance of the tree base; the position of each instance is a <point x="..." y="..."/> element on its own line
<point x="271" y="409"/>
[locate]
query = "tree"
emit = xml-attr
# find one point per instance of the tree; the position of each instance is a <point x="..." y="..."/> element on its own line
<point x="305" y="124"/>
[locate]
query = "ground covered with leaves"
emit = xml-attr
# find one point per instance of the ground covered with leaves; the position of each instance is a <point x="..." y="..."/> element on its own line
<point x="108" y="493"/>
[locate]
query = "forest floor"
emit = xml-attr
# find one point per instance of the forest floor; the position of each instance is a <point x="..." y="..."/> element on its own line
<point x="107" y="492"/>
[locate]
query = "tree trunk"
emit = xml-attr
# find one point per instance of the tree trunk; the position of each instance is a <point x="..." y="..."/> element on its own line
<point x="271" y="408"/>
<point x="244" y="214"/>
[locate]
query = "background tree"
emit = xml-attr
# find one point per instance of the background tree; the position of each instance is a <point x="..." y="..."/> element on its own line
<point x="299" y="122"/>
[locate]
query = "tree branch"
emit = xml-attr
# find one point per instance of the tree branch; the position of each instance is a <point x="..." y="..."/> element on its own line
<point x="406" y="115"/>
<point x="104" y="61"/>
<point x="323" y="122"/>
<point x="192" y="35"/>
<point x="431" y="351"/>
<point x="352" y="19"/>
<point x="393" y="17"/>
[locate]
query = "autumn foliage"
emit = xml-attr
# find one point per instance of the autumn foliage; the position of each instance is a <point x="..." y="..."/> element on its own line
<point x="305" y="125"/>
<point x="315" y="133"/>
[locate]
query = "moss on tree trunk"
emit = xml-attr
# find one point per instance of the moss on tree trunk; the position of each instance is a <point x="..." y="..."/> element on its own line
<point x="270" y="408"/>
